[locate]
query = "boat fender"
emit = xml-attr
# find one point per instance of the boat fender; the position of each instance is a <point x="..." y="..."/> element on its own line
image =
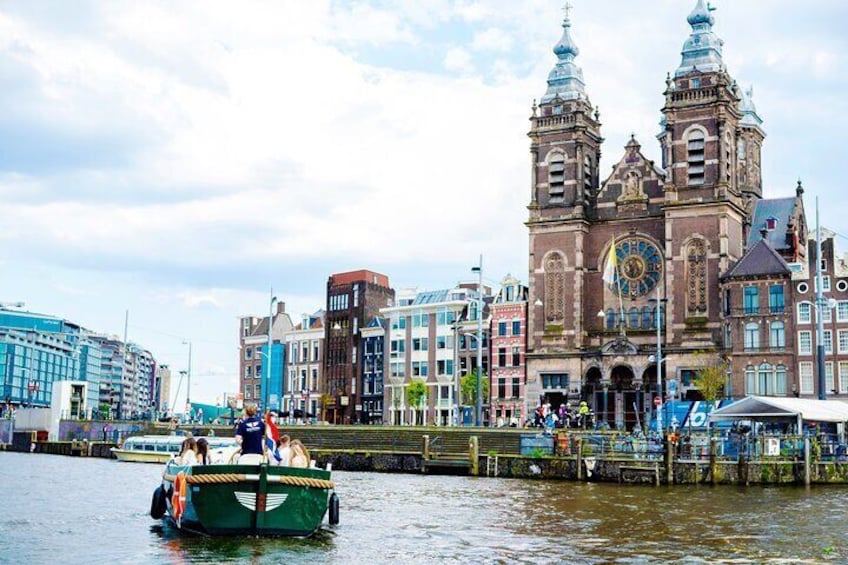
<point x="334" y="509"/>
<point x="178" y="499"/>
<point x="158" y="505"/>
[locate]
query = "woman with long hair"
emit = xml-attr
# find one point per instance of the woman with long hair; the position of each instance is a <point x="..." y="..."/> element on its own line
<point x="203" y="456"/>
<point x="299" y="454"/>
<point x="188" y="452"/>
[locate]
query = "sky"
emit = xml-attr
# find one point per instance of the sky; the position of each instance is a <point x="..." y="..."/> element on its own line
<point x="168" y="163"/>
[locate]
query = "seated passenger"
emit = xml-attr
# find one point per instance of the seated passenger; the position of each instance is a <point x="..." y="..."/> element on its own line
<point x="299" y="454"/>
<point x="188" y="452"/>
<point x="203" y="455"/>
<point x="284" y="452"/>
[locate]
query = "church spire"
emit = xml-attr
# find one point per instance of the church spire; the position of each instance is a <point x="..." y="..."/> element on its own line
<point x="702" y="50"/>
<point x="565" y="81"/>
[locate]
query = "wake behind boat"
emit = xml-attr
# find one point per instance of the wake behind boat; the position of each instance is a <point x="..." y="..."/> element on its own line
<point x="245" y="499"/>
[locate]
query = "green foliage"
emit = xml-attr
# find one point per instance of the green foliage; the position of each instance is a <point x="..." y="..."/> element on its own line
<point x="416" y="393"/>
<point x="468" y="386"/>
<point x="711" y="377"/>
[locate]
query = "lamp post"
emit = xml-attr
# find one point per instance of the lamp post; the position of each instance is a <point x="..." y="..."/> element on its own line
<point x="188" y="373"/>
<point x="479" y="409"/>
<point x="659" y="405"/>
<point x="267" y="385"/>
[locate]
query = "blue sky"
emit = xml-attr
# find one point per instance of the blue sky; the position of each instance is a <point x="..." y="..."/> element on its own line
<point x="178" y="159"/>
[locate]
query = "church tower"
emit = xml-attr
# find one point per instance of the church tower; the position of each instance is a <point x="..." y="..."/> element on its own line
<point x="565" y="151"/>
<point x="706" y="207"/>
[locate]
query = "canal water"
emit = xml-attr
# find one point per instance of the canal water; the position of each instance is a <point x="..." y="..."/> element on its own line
<point x="72" y="510"/>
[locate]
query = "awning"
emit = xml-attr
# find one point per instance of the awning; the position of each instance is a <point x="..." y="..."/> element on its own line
<point x="782" y="408"/>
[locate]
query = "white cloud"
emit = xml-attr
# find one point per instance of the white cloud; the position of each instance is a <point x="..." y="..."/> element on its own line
<point x="458" y="59"/>
<point x="492" y="40"/>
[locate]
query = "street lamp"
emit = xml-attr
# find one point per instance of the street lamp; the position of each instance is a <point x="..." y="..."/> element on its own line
<point x="188" y="373"/>
<point x="659" y="359"/>
<point x="267" y="385"/>
<point x="479" y="270"/>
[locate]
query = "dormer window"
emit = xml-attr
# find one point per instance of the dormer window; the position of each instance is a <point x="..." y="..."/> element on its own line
<point x="771" y="224"/>
<point x="695" y="157"/>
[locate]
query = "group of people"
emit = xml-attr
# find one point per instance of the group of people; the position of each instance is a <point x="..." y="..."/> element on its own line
<point x="565" y="417"/>
<point x="262" y="439"/>
<point x="259" y="441"/>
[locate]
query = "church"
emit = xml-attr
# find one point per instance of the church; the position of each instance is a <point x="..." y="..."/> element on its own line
<point x="641" y="280"/>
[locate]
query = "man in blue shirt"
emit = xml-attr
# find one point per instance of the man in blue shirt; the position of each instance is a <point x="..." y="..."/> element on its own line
<point x="250" y="434"/>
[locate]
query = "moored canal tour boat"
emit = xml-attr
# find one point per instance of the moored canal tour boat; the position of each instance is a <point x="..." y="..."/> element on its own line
<point x="263" y="500"/>
<point x="160" y="449"/>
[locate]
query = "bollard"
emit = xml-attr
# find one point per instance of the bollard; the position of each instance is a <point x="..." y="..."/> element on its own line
<point x="474" y="455"/>
<point x="580" y="458"/>
<point x="807" y="461"/>
<point x="713" y="462"/>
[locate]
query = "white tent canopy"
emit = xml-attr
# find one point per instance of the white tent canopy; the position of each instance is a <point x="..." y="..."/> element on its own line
<point x="782" y="408"/>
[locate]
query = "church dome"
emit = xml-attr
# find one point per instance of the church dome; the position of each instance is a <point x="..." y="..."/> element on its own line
<point x="702" y="50"/>
<point x="565" y="81"/>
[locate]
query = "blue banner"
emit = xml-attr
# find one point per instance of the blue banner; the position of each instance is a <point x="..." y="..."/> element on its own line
<point x="688" y="414"/>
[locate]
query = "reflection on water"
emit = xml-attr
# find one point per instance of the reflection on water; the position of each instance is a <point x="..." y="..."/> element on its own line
<point x="88" y="510"/>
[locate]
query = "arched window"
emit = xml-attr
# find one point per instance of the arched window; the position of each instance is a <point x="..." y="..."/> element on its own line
<point x="588" y="177"/>
<point x="696" y="278"/>
<point x="611" y="319"/>
<point x="750" y="380"/>
<point x="780" y="380"/>
<point x="647" y="318"/>
<point x="556" y="177"/>
<point x="634" y="318"/>
<point x="728" y="157"/>
<point x="554" y="287"/>
<point x="765" y="379"/>
<point x="777" y="335"/>
<point x="695" y="145"/>
<point x="752" y="336"/>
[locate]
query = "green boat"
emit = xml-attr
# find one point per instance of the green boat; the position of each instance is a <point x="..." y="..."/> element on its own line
<point x="258" y="500"/>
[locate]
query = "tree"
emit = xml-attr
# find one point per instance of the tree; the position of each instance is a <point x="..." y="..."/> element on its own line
<point x="468" y="386"/>
<point x="416" y="395"/>
<point x="711" y="377"/>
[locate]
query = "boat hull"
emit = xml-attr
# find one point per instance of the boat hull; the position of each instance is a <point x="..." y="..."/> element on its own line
<point x="248" y="499"/>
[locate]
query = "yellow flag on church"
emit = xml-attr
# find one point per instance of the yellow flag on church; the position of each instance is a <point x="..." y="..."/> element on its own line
<point x="611" y="265"/>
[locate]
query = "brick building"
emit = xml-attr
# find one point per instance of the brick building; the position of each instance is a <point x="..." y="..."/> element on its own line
<point x="625" y="266"/>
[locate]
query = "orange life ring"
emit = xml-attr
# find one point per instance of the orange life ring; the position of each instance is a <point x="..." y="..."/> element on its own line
<point x="178" y="499"/>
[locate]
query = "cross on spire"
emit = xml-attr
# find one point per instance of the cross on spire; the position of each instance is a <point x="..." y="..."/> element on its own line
<point x="567" y="9"/>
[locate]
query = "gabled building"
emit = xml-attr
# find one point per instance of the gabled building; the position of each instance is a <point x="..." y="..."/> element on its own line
<point x="305" y="344"/>
<point x="509" y="342"/>
<point x="255" y="382"/>
<point x="372" y="371"/>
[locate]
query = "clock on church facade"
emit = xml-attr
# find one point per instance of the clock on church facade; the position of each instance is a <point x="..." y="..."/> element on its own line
<point x="639" y="266"/>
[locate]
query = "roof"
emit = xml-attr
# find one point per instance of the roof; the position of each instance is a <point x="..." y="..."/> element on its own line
<point x="362" y="275"/>
<point x="431" y="297"/>
<point x="767" y="407"/>
<point x="781" y="209"/>
<point x="759" y="260"/>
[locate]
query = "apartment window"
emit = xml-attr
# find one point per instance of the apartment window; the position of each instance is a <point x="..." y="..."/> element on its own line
<point x="825" y="284"/>
<point x="248" y="372"/>
<point x="398" y="370"/>
<point x="805" y="342"/>
<point x="765" y="380"/>
<point x="248" y="353"/>
<point x="502" y="357"/>
<point x="752" y="336"/>
<point x="843" y="377"/>
<point x="293" y="353"/>
<point x="776" y="303"/>
<point x="444" y="366"/>
<point x="750" y="380"/>
<point x="777" y="335"/>
<point x="842" y="340"/>
<point x="516" y="327"/>
<point x="515" y="388"/>
<point x="399" y="323"/>
<point x="502" y="328"/>
<point x="751" y="300"/>
<point x="419" y="368"/>
<point x="805" y="313"/>
<point x="516" y="356"/>
<point x="805" y="372"/>
<point x="842" y="311"/>
<point x="827" y="340"/>
<point x="442" y="342"/>
<point x="315" y="350"/>
<point x="304" y="352"/>
<point x="420" y="344"/>
<point x="398" y="347"/>
<point x="556" y="176"/>
<point x="828" y="378"/>
<point x="695" y="145"/>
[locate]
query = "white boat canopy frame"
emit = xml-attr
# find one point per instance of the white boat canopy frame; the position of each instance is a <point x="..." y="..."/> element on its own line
<point x="782" y="408"/>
